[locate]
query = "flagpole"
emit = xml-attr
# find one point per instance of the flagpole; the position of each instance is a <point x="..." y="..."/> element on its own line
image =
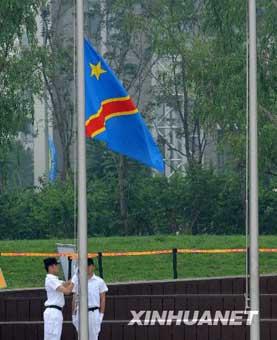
<point x="82" y="194"/>
<point x="253" y="159"/>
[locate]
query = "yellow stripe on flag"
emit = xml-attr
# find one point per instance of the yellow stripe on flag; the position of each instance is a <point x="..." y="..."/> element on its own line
<point x="3" y="283"/>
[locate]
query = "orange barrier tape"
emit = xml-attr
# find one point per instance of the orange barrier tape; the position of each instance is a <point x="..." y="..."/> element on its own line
<point x="210" y="251"/>
<point x="73" y="255"/>
<point x="139" y="253"/>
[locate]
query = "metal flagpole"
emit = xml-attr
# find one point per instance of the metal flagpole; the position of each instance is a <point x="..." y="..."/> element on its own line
<point x="253" y="158"/>
<point x="82" y="194"/>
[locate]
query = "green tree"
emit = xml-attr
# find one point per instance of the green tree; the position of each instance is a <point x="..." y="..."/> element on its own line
<point x="267" y="83"/>
<point x="221" y="83"/>
<point x="19" y="76"/>
<point x="176" y="42"/>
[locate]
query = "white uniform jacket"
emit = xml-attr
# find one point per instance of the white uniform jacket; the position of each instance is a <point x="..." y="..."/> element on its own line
<point x="96" y="286"/>
<point x="53" y="318"/>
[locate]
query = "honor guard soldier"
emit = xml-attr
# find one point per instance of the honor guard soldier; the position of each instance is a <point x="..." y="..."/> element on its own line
<point x="97" y="289"/>
<point x="55" y="289"/>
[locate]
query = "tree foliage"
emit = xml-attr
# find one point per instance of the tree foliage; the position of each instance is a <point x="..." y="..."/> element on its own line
<point x="200" y="203"/>
<point x="19" y="77"/>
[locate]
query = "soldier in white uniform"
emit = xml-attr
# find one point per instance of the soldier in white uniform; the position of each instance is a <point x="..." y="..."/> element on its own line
<point x="55" y="289"/>
<point x="97" y="289"/>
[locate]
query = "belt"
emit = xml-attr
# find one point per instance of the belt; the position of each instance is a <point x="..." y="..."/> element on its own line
<point x="56" y="307"/>
<point x="92" y="309"/>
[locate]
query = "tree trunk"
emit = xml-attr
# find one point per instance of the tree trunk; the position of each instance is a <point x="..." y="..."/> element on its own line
<point x="66" y="164"/>
<point x="122" y="183"/>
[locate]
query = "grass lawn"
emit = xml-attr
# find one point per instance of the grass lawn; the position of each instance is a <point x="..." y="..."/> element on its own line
<point x="29" y="272"/>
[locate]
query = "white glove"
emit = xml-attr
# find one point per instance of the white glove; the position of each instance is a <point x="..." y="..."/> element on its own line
<point x="101" y="316"/>
<point x="76" y="271"/>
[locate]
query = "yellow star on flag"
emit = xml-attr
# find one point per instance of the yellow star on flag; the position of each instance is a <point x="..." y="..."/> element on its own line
<point x="96" y="70"/>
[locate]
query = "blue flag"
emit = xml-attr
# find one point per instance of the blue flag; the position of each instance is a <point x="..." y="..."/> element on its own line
<point x="52" y="160"/>
<point x="112" y="116"/>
